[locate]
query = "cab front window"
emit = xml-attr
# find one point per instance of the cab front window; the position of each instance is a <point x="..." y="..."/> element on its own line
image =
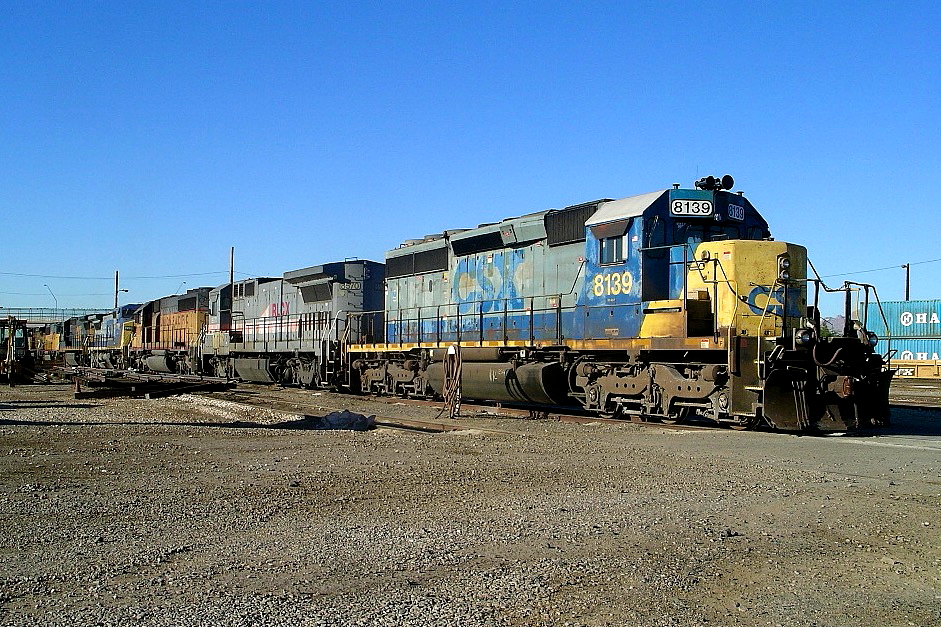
<point x="692" y="234"/>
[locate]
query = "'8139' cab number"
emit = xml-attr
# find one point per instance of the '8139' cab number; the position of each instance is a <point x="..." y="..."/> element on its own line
<point x="611" y="283"/>
<point x="736" y="212"/>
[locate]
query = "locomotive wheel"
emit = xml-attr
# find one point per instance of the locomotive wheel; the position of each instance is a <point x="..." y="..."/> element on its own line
<point x="680" y="417"/>
<point x="745" y="423"/>
<point x="613" y="413"/>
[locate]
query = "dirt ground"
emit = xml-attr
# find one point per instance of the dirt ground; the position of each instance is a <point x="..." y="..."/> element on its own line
<point x="195" y="511"/>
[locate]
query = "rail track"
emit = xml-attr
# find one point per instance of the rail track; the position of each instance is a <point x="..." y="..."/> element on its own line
<point x="925" y="393"/>
<point x="305" y="403"/>
<point x="294" y="400"/>
<point x="912" y="395"/>
<point x="905" y="393"/>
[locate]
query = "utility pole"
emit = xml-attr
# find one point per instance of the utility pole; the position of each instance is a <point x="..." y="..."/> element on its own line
<point x="231" y="279"/>
<point x="116" y="290"/>
<point x="908" y="276"/>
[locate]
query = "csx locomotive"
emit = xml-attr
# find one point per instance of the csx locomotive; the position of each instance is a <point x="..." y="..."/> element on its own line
<point x="666" y="306"/>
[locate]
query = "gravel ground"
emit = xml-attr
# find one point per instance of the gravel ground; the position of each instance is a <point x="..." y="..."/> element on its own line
<point x="194" y="511"/>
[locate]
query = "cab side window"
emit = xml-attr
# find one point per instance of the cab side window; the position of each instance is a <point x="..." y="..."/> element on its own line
<point x="611" y="250"/>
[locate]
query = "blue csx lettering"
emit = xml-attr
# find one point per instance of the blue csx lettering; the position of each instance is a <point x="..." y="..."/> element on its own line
<point x="773" y="300"/>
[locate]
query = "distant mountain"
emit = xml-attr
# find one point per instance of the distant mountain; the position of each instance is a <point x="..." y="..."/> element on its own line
<point x="834" y="324"/>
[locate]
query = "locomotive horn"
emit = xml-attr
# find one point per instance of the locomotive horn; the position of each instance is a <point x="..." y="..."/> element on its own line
<point x="706" y="182"/>
<point x="711" y="183"/>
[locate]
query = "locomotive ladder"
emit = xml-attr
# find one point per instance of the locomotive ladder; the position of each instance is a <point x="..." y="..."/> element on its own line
<point x="332" y="353"/>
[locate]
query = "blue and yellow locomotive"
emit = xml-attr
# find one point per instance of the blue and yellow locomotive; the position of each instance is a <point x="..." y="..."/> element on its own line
<point x="663" y="306"/>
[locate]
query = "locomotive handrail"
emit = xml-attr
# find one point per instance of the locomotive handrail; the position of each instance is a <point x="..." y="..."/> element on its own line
<point x="767" y="308"/>
<point x="687" y="248"/>
<point x="819" y="282"/>
<point x="717" y="265"/>
<point x="404" y="326"/>
<point x="574" y="282"/>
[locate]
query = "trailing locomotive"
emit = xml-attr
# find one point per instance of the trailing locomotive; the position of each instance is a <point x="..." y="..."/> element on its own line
<point x="98" y="340"/>
<point x="110" y="336"/>
<point x="167" y="333"/>
<point x="293" y="329"/>
<point x="665" y="306"/>
<point x="161" y="335"/>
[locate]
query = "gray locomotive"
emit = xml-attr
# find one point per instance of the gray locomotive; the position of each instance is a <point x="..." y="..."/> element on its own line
<point x="291" y="329"/>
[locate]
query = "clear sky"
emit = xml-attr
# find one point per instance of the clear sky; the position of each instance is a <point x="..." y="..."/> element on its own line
<point x="150" y="137"/>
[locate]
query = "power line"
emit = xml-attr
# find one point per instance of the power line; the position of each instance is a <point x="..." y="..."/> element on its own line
<point x="109" y="278"/>
<point x="46" y="294"/>
<point x="914" y="263"/>
<point x="123" y="278"/>
<point x="918" y="263"/>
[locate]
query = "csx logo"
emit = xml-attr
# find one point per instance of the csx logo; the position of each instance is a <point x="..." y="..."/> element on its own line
<point x="762" y="301"/>
<point x="908" y="318"/>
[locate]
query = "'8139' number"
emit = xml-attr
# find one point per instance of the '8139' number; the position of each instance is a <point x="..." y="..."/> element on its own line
<point x="611" y="283"/>
<point x="690" y="207"/>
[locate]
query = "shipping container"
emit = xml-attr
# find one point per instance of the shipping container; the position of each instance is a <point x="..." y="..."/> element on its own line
<point x="917" y="369"/>
<point x="916" y="358"/>
<point x="911" y="349"/>
<point x="917" y="319"/>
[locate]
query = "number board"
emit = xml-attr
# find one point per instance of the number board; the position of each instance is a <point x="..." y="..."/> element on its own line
<point x="691" y="208"/>
<point x="737" y="212"/>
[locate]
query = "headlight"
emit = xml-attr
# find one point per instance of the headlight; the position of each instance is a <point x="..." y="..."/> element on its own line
<point x="873" y="339"/>
<point x="783" y="264"/>
<point x="803" y="337"/>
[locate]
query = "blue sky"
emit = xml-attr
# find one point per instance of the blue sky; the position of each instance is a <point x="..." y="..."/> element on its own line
<point x="150" y="137"/>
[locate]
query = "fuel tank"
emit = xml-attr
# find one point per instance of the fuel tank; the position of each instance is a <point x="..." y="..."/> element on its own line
<point x="256" y="370"/>
<point x="159" y="362"/>
<point x="539" y="383"/>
